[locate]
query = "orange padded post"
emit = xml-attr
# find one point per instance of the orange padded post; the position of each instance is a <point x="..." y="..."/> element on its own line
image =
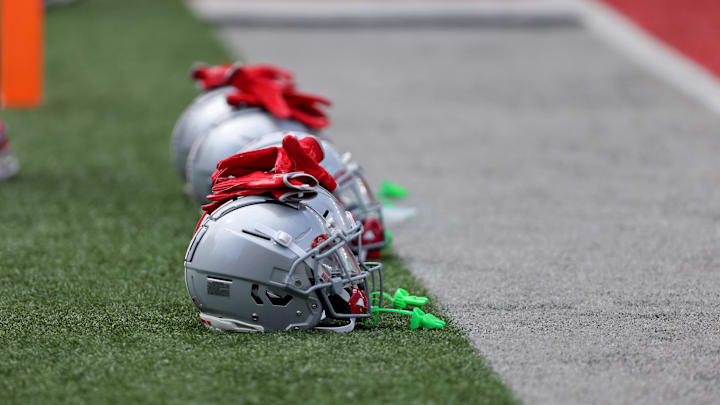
<point x="21" y="52"/>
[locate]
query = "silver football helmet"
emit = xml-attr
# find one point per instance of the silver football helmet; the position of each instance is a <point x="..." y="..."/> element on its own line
<point x="206" y="111"/>
<point x="352" y="189"/>
<point x="225" y="139"/>
<point x="259" y="264"/>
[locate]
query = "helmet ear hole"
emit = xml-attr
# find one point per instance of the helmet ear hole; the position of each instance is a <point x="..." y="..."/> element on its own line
<point x="254" y="294"/>
<point x="278" y="300"/>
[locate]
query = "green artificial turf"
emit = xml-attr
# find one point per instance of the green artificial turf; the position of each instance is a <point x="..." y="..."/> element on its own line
<point x="93" y="306"/>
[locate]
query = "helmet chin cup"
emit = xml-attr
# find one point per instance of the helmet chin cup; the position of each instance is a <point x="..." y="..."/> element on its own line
<point x="218" y="324"/>
<point x="338" y="329"/>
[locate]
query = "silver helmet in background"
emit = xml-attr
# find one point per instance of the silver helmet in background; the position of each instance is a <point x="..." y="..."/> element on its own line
<point x="205" y="112"/>
<point x="352" y="188"/>
<point x="225" y="138"/>
<point x="258" y="264"/>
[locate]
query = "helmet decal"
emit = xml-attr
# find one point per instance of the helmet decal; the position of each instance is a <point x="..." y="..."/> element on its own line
<point x="319" y="239"/>
<point x="358" y="302"/>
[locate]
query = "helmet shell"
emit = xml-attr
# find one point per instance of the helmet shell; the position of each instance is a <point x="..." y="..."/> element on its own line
<point x="235" y="273"/>
<point x="225" y="139"/>
<point x="202" y="114"/>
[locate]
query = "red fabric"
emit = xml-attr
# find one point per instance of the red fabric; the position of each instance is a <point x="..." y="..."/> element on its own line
<point x="261" y="86"/>
<point x="265" y="86"/>
<point x="692" y="27"/>
<point x="243" y="77"/>
<point x="284" y="103"/>
<point x="210" y="77"/>
<point x="260" y="171"/>
<point x="274" y="90"/>
<point x="305" y="108"/>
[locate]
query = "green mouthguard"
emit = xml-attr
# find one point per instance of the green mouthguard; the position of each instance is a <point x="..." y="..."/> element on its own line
<point x="426" y="321"/>
<point x="401" y="300"/>
<point x="393" y="190"/>
<point x="388" y="238"/>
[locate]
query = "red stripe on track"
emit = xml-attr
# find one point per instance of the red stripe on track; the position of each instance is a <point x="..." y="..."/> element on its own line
<point x="690" y="26"/>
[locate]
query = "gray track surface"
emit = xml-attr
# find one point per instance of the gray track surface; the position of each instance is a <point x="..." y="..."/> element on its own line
<point x="569" y="202"/>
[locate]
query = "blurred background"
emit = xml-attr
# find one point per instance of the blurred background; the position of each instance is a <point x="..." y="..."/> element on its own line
<point x="562" y="157"/>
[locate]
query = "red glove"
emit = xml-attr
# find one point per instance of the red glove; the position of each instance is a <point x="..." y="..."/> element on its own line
<point x="274" y="90"/>
<point x="261" y="171"/>
<point x="305" y="159"/>
<point x="260" y="72"/>
<point x="304" y="108"/>
<point x="210" y="77"/>
<point x="242" y="164"/>
<point x="261" y="85"/>
<point x="258" y="183"/>
<point x="266" y="159"/>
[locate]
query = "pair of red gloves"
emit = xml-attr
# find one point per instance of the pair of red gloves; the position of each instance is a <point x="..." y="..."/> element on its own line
<point x="264" y="171"/>
<point x="265" y="86"/>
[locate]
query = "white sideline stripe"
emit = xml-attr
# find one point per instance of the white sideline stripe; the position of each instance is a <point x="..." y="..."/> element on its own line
<point x="661" y="59"/>
<point x="609" y="25"/>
